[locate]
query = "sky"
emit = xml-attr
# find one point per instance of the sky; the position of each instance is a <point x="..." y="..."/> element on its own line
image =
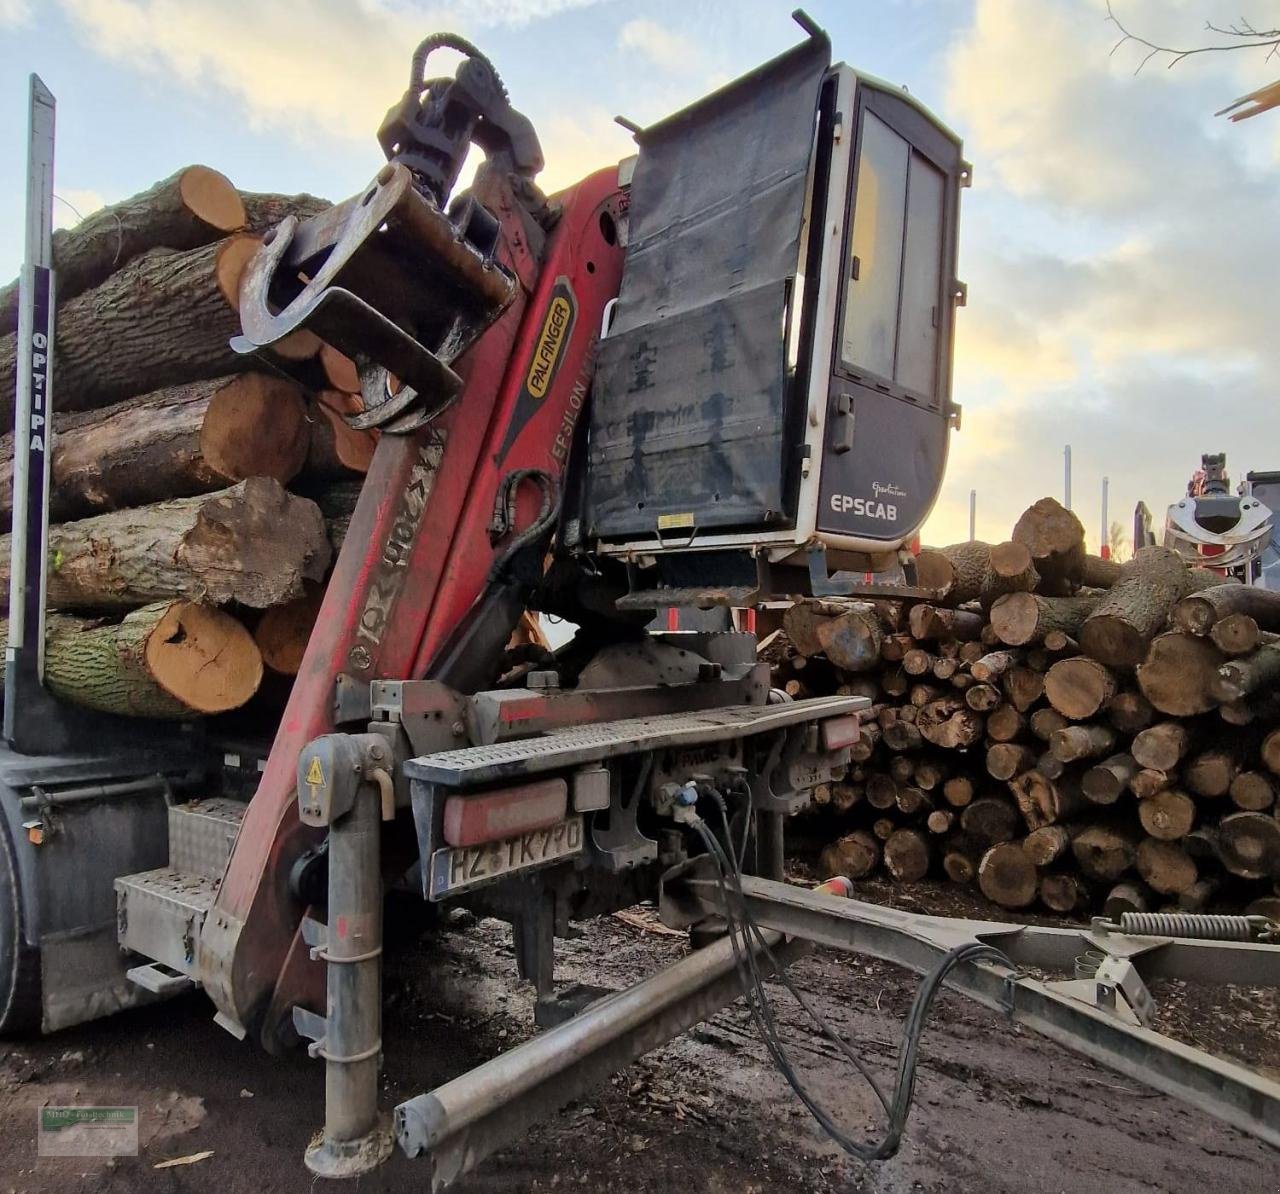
<point x="1120" y="244"/>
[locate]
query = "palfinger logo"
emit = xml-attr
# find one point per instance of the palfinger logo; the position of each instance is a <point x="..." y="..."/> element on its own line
<point x="551" y="341"/>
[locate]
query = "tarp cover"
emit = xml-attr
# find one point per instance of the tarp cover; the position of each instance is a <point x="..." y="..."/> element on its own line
<point x="687" y="413"/>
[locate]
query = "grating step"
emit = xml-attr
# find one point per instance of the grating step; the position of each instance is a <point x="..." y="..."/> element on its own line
<point x="202" y="833"/>
<point x="159" y="914"/>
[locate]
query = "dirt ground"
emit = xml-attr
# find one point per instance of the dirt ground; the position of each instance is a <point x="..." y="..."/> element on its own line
<point x="997" y="1109"/>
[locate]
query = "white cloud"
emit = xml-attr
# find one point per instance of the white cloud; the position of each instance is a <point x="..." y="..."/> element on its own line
<point x="14" y="13"/>
<point x="70" y="206"/>
<point x="661" y="47"/>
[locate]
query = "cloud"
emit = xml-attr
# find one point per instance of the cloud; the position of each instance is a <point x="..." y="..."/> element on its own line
<point x="661" y="47"/>
<point x="70" y="206"/>
<point x="14" y="13"/>
<point x="330" y="65"/>
<point x="1138" y="322"/>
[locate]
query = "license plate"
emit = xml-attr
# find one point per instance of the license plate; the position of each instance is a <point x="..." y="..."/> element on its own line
<point x="460" y="868"/>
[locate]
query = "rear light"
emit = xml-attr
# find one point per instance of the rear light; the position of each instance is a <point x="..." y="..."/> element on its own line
<point x="490" y="816"/>
<point x="839" y="732"/>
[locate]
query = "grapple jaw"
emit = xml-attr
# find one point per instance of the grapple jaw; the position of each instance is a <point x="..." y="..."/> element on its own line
<point x="391" y="280"/>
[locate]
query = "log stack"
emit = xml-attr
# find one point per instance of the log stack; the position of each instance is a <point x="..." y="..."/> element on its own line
<point x="1054" y="728"/>
<point x="196" y="494"/>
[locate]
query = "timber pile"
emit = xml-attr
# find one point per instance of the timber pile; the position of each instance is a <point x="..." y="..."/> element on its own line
<point x="197" y="496"/>
<point x="1054" y="728"/>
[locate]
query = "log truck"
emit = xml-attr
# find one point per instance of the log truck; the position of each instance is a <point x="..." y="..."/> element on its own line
<point x="715" y="374"/>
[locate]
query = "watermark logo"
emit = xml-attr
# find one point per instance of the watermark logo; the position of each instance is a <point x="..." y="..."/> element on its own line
<point x="87" y="1131"/>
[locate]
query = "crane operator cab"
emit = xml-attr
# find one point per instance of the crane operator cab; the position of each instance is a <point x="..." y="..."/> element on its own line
<point x="772" y="400"/>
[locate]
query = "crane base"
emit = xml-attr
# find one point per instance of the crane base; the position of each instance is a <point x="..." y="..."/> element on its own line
<point x="350" y="1158"/>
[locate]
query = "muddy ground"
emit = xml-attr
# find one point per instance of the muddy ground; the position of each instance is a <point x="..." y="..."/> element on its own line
<point x="996" y="1108"/>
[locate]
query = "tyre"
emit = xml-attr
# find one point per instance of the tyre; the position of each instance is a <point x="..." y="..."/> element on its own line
<point x="19" y="964"/>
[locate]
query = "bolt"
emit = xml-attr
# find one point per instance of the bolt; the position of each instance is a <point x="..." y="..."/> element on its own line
<point x="386" y="174"/>
<point x="458" y="728"/>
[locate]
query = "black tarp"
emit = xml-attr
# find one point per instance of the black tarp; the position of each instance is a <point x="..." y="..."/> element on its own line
<point x="687" y="414"/>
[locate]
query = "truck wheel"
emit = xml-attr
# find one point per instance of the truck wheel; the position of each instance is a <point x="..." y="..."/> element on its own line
<point x="19" y="964"/>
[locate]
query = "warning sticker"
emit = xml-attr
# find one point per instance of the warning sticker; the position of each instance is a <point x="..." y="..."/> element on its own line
<point x="315" y="774"/>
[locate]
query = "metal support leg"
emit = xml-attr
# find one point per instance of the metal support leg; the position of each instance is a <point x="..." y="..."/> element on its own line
<point x="355" y="1139"/>
<point x="770" y="832"/>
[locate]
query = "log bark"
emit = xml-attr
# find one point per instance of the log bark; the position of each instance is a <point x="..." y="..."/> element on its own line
<point x="1165" y="866"/>
<point x="1097" y="573"/>
<point x="960" y="858"/>
<point x="852" y="640"/>
<point x="1073" y="743"/>
<point x="1125" y="620"/>
<point x="171" y="660"/>
<point x="1006" y="876"/>
<point x="1105" y="782"/>
<point x="1168" y="815"/>
<point x="992" y="666"/>
<point x="1179" y="674"/>
<point x="1149" y="781"/>
<point x="1249" y="845"/>
<point x="855" y="856"/>
<point x="263" y="210"/>
<point x="1079" y="687"/>
<point x="160" y="321"/>
<point x="1161" y="747"/>
<point x="906" y="855"/>
<point x="1257" y="672"/>
<point x="253" y="543"/>
<point x="1021" y="619"/>
<point x="1055" y="538"/>
<point x="1197" y="613"/>
<point x="1104" y="851"/>
<point x="176" y="442"/>
<point x="191" y="208"/>
<point x="930" y="622"/>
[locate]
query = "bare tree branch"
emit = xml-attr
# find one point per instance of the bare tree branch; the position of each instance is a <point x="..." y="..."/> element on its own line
<point x="1246" y="38"/>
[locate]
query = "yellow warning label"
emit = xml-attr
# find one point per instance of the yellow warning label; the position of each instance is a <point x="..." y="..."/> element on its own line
<point x="315" y="774"/>
<point x="671" y="522"/>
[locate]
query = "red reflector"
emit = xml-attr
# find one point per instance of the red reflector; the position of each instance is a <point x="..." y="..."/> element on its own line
<point x="839" y="732"/>
<point x="1211" y="549"/>
<point x="469" y="820"/>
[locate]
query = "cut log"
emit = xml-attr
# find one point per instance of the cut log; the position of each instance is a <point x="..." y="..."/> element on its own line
<point x="918" y="662"/>
<point x="1062" y="892"/>
<point x="1007" y="759"/>
<point x="1168" y="815"/>
<point x="845" y="796"/>
<point x="160" y="321"/>
<point x="339" y="370"/>
<point x="944" y="669"/>
<point x="1006" y="876"/>
<point x="1005" y="723"/>
<point x="1249" y="845"/>
<point x="191" y="208"/>
<point x="1257" y="672"/>
<point x="940" y="821"/>
<point x="929" y="622"/>
<point x="1045" y="801"/>
<point x="855" y="856"/>
<point x="929" y="773"/>
<point x="1021" y="619"/>
<point x="1161" y="746"/>
<point x="1130" y="712"/>
<point x="884" y="828"/>
<point x="982" y="698"/>
<point x="1148" y="782"/>
<point x="1024" y="686"/>
<point x="894" y="646"/>
<point x="902" y="735"/>
<point x="992" y="666"/>
<point x="1073" y="743"/>
<point x="1044" y="846"/>
<point x="1125" y="897"/>
<point x="989" y="820"/>
<point x="800" y="624"/>
<point x="1104" y="851"/>
<point x="1270" y="752"/>
<point x="906" y="855"/>
<point x="960" y="858"/>
<point x="1050" y="767"/>
<point x="1135" y="608"/>
<point x="882" y="790"/>
<point x="1211" y="772"/>
<point x="911" y="800"/>
<point x="958" y="791"/>
<point x="171" y="660"/>
<point x="1097" y="573"/>
<point x="1105" y="782"/>
<point x="1197" y="612"/>
<point x="1196" y="897"/>
<point x="949" y="723"/>
<point x="1045" y="722"/>
<point x="1057" y="642"/>
<point x="177" y="442"/>
<point x="1179" y="673"/>
<point x="1079" y="688"/>
<point x="335" y="449"/>
<point x="1055" y="538"/>
<point x="1236" y="634"/>
<point x="253" y="543"/>
<point x="263" y="210"/>
<point x="1252" y="791"/>
<point x="1166" y="867"/>
<point x="901" y="768"/>
<point x="852" y="641"/>
<point x="284" y="630"/>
